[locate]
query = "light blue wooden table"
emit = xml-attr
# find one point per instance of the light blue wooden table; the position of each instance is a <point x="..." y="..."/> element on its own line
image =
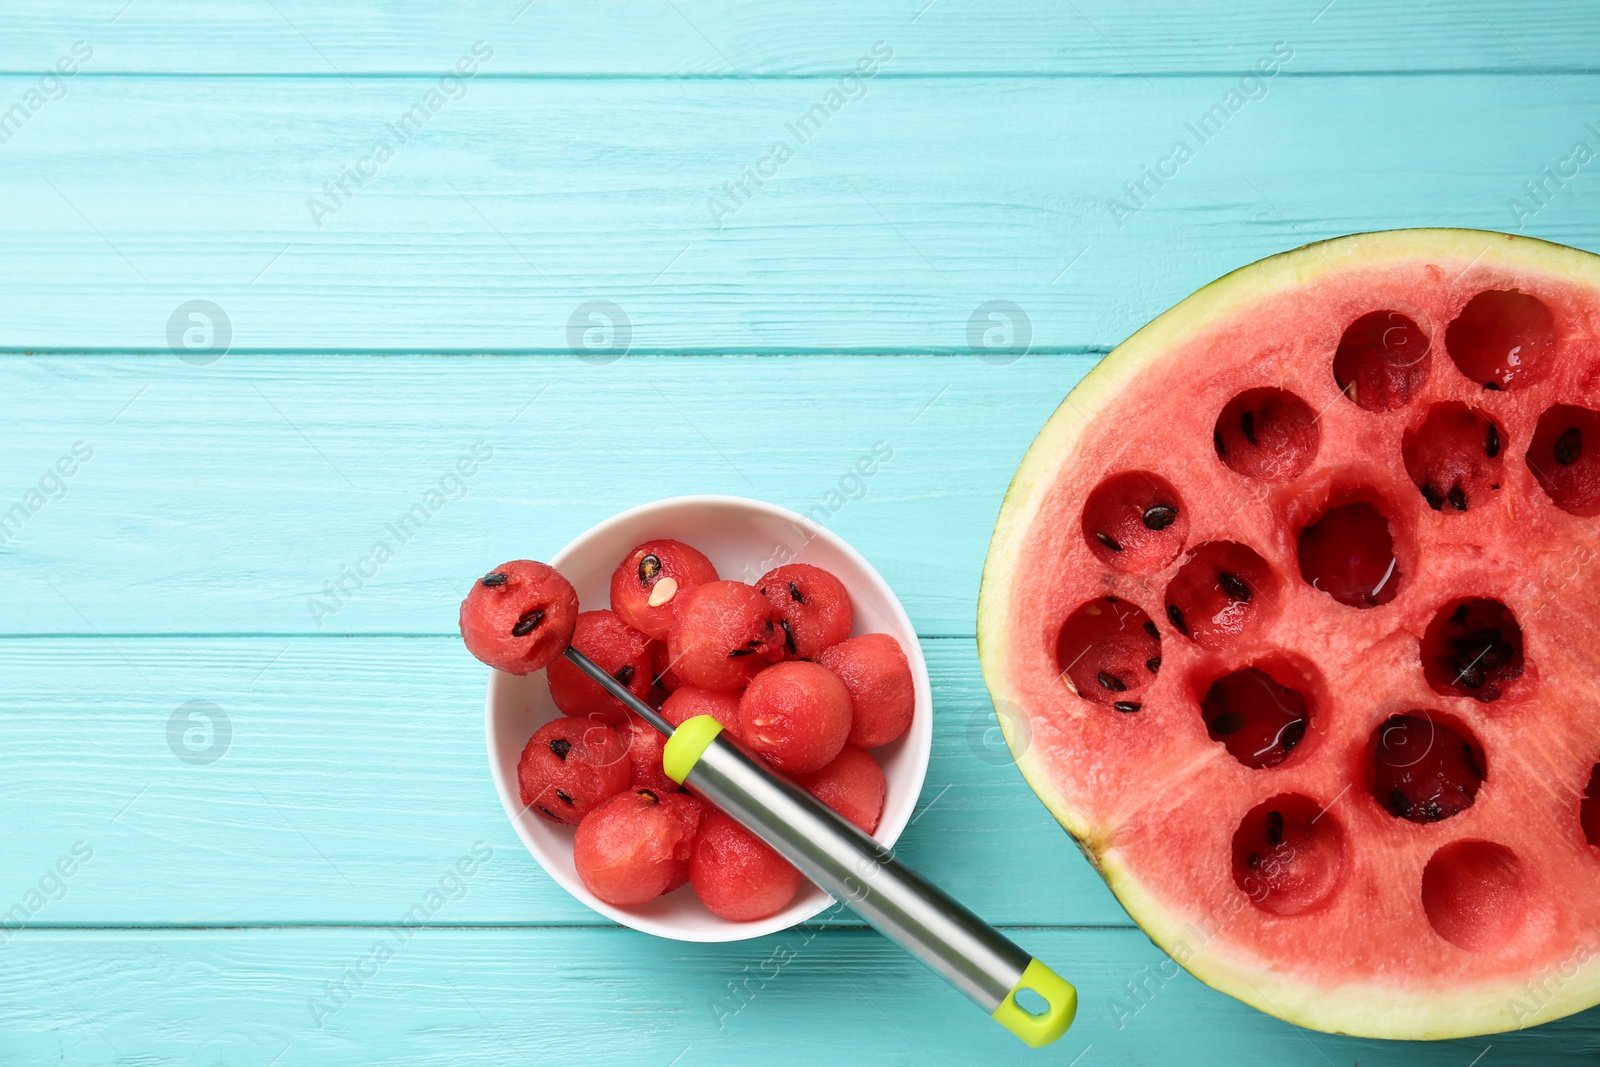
<point x="400" y="219"/>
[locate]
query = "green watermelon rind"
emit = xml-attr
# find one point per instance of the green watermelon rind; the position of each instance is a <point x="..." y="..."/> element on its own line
<point x="1361" y="1010"/>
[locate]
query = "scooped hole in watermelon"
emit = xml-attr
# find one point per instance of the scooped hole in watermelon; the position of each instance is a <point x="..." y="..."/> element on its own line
<point x="1503" y="339"/>
<point x="1288" y="855"/>
<point x="1223" y="592"/>
<point x="1475" y="895"/>
<point x="1135" y="522"/>
<point x="1348" y="553"/>
<point x="1589" y="810"/>
<point x="1454" y="456"/>
<point x="1473" y="648"/>
<point x="1424" y="768"/>
<point x="1382" y="361"/>
<point x="1256" y="717"/>
<point x="1564" y="457"/>
<point x="1109" y="651"/>
<point x="1268" y="434"/>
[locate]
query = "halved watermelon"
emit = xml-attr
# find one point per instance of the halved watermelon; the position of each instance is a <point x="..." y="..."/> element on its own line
<point x="1295" y="595"/>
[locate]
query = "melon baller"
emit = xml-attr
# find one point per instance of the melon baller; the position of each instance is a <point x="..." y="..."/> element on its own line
<point x="859" y="872"/>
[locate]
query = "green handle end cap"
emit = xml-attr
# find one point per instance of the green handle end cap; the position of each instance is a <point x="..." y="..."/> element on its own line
<point x="687" y="744"/>
<point x="1060" y="998"/>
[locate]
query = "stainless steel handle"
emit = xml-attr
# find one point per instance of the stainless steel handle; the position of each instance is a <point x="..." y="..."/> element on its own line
<point x="867" y="877"/>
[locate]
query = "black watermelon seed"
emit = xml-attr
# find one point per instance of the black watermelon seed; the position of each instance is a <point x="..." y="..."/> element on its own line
<point x="1127" y="707"/>
<point x="649" y="567"/>
<point x="1292" y="735"/>
<point x="1247" y="425"/>
<point x="1459" y="615"/>
<point x="1434" y="498"/>
<point x="1216" y="439"/>
<point x="561" y="796"/>
<point x="1457" y="498"/>
<point x="1234" y="586"/>
<point x="1111" y="600"/>
<point x="1569" y="446"/>
<point x="525" y="625"/>
<point x="1493" y="387"/>
<point x="740" y="652"/>
<point x="1153" y="664"/>
<point x="492" y="580"/>
<point x="1111" y="682"/>
<point x="794" y="594"/>
<point x="1491" y="444"/>
<point x="1107" y="540"/>
<point x="1227" y="723"/>
<point x="1274" y="828"/>
<point x="788" y="638"/>
<point x="649" y="795"/>
<point x="1176" y="615"/>
<point x="1471" y="760"/>
<point x="1399" y="804"/>
<point x="1472" y="678"/>
<point x="561" y="746"/>
<point x="552" y="815"/>
<point x="1150" y="628"/>
<point x="1160" y="516"/>
<point x="624" y="673"/>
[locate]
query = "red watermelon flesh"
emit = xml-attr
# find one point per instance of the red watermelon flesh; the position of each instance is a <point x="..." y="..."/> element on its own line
<point x="1348" y="498"/>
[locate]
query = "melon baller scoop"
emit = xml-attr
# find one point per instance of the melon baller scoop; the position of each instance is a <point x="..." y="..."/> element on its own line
<point x="858" y="871"/>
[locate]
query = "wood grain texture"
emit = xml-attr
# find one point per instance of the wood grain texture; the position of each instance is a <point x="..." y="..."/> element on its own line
<point x="353" y="776"/>
<point x="886" y="231"/>
<point x="726" y="39"/>
<point x="375" y="339"/>
<point x="220" y="499"/>
<point x="541" y="996"/>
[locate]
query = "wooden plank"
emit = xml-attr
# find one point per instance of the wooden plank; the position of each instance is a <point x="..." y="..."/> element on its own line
<point x="221" y="499"/>
<point x="544" y="996"/>
<point x="888" y="230"/>
<point x="729" y="39"/>
<point x="349" y="776"/>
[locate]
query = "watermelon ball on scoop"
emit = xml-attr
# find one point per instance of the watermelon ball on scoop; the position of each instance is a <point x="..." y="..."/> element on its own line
<point x="874" y="669"/>
<point x="646" y="586"/>
<point x="619" y="649"/>
<point x="724" y="634"/>
<point x="690" y="701"/>
<point x="569" y="767"/>
<point x="629" y="849"/>
<point x="519" y="617"/>
<point x="796" y="715"/>
<point x="852" y="785"/>
<point x="736" y="875"/>
<point x="813" y="607"/>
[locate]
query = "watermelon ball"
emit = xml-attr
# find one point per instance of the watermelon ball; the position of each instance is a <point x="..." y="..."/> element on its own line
<point x="796" y="715"/>
<point x="736" y="875"/>
<point x="690" y="701"/>
<point x="646" y="586"/>
<point x="692" y="811"/>
<point x="813" y="607"/>
<point x="874" y="669"/>
<point x="519" y="617"/>
<point x="852" y="785"/>
<point x="645" y="744"/>
<point x="570" y="767"/>
<point x="619" y="649"/>
<point x="724" y="634"/>
<point x="628" y="850"/>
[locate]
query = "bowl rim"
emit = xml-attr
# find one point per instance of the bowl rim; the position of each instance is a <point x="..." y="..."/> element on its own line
<point x="920" y="734"/>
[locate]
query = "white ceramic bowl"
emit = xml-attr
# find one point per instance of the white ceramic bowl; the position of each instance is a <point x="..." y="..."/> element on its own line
<point x="745" y="539"/>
